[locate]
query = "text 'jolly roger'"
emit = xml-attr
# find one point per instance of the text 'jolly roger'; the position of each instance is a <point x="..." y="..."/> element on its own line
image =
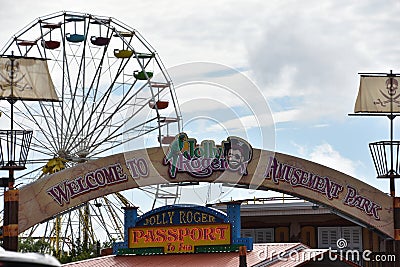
<point x="200" y="161"/>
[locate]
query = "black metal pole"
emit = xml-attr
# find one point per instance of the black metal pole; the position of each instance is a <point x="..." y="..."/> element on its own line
<point x="392" y="117"/>
<point x="393" y="245"/>
<point x="11" y="196"/>
<point x="392" y="172"/>
<point x="12" y="101"/>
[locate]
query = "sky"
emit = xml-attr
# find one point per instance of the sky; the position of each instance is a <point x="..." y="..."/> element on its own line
<point x="302" y="56"/>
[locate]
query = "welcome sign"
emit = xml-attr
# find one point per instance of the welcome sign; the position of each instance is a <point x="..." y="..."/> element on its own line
<point x="234" y="162"/>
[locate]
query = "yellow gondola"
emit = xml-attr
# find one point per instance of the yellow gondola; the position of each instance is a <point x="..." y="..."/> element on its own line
<point x="123" y="53"/>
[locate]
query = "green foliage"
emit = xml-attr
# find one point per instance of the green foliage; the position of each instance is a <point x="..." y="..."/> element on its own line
<point x="33" y="245"/>
<point x="79" y="251"/>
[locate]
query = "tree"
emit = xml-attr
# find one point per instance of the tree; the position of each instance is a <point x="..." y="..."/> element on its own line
<point x="30" y="244"/>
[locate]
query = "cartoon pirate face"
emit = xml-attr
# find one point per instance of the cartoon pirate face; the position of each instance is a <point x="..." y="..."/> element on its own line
<point x="235" y="157"/>
<point x="392" y="86"/>
<point x="237" y="151"/>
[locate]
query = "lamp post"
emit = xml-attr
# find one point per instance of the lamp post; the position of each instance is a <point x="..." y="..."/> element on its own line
<point x="14" y="147"/>
<point x="385" y="155"/>
<point x="378" y="96"/>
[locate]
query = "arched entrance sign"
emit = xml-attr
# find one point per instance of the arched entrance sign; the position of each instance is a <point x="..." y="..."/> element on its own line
<point x="234" y="161"/>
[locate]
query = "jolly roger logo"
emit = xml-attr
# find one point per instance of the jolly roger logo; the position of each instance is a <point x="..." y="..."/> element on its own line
<point x="10" y="75"/>
<point x="200" y="161"/>
<point x="390" y="93"/>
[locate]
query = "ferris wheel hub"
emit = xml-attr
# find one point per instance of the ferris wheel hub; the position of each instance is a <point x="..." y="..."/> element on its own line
<point x="82" y="153"/>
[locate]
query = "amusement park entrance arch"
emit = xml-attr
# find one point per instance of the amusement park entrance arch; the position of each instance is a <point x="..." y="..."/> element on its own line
<point x="185" y="161"/>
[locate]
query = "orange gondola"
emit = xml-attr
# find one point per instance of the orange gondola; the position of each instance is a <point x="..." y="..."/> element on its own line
<point x="158" y="104"/>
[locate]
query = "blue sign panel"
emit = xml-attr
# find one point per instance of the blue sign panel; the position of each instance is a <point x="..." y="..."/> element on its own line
<point x="168" y="219"/>
<point x="181" y="214"/>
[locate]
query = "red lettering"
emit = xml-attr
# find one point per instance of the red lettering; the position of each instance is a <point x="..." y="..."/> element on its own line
<point x="172" y="234"/>
<point x="182" y="232"/>
<point x="150" y="236"/>
<point x="209" y="234"/>
<point x="221" y="231"/>
<point x="196" y="234"/>
<point x="161" y="236"/>
<point x="136" y="235"/>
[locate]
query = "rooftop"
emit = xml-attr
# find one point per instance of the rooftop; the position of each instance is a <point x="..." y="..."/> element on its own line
<point x="269" y="254"/>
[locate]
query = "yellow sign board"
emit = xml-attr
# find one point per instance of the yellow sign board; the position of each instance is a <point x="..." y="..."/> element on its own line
<point x="180" y="239"/>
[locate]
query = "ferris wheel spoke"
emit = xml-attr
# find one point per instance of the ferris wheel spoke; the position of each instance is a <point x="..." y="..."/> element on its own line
<point x="51" y="128"/>
<point x="81" y="113"/>
<point x="100" y="104"/>
<point x="37" y="124"/>
<point x="118" y="108"/>
<point x="113" y="217"/>
<point x="138" y="129"/>
<point x="27" y="176"/>
<point x="66" y="110"/>
<point x="105" y="99"/>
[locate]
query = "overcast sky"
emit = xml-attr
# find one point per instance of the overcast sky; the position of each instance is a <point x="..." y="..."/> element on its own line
<point x="304" y="56"/>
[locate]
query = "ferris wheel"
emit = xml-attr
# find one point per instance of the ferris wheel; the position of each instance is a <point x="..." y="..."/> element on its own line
<point x="113" y="90"/>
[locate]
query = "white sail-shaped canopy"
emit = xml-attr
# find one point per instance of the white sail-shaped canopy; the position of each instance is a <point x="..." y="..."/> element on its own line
<point x="26" y="79"/>
<point x="378" y="94"/>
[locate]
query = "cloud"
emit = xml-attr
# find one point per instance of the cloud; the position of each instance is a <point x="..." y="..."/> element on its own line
<point x="313" y="52"/>
<point x="287" y="115"/>
<point x="326" y="155"/>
